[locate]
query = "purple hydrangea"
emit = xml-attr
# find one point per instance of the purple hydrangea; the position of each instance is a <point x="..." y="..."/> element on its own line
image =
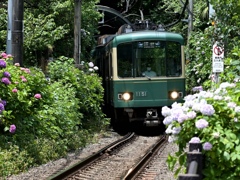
<point x="2" y="63"/>
<point x="6" y="81"/>
<point x="1" y="107"/>
<point x="201" y="123"/>
<point x="207" y="109"/>
<point x="194" y="140"/>
<point x="207" y="146"/>
<point x="7" y="74"/>
<point x="12" y="128"/>
<point x="4" y="102"/>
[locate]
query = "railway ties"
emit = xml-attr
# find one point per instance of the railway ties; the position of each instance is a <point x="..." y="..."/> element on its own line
<point x="113" y="163"/>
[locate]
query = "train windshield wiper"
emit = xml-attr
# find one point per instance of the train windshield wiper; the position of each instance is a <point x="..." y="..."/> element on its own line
<point x="148" y="77"/>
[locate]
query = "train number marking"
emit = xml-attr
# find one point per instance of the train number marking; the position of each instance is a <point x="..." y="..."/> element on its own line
<point x="141" y="93"/>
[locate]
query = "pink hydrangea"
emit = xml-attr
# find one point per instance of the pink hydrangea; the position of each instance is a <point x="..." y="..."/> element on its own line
<point x="38" y="96"/>
<point x="15" y="90"/>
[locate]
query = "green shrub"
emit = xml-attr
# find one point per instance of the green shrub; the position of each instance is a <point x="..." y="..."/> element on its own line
<point x="43" y="119"/>
<point x="211" y="118"/>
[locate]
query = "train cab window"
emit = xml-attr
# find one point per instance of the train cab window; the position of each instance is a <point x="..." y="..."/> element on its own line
<point x="149" y="59"/>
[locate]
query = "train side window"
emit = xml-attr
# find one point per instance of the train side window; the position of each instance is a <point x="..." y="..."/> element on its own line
<point x="173" y="65"/>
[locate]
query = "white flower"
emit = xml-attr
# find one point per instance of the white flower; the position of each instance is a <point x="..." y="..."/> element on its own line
<point x="216" y="135"/>
<point x="231" y="105"/>
<point x="195" y="140"/>
<point x="166" y="111"/>
<point x="168" y="120"/>
<point x="176" y="130"/>
<point x="172" y="138"/>
<point x="169" y="129"/>
<point x="237" y="109"/>
<point x="91" y="64"/>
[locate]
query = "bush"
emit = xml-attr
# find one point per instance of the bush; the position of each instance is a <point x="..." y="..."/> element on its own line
<point x="211" y="118"/>
<point x="41" y="119"/>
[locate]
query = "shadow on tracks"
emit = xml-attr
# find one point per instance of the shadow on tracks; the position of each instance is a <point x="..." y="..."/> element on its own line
<point x="139" y="128"/>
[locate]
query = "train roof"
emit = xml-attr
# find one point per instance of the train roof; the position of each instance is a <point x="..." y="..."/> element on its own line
<point x="147" y="35"/>
<point x="116" y="39"/>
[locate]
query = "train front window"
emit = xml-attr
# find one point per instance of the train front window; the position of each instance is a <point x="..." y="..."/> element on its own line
<point x="149" y="59"/>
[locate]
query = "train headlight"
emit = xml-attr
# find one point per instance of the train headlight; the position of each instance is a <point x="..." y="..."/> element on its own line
<point x="126" y="96"/>
<point x="174" y="95"/>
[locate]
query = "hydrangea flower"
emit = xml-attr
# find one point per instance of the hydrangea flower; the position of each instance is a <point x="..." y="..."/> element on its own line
<point x="166" y="111"/>
<point x="207" y="109"/>
<point x="201" y="123"/>
<point x="12" y="128"/>
<point x="4" y="102"/>
<point x="6" y="81"/>
<point x="38" y="96"/>
<point x="15" y="90"/>
<point x="3" y="54"/>
<point x="207" y="146"/>
<point x="182" y="117"/>
<point x="237" y="109"/>
<point x="176" y="130"/>
<point x="191" y="114"/>
<point x="216" y="135"/>
<point x="3" y="63"/>
<point x="90" y="64"/>
<point x="1" y="107"/>
<point x="194" y="140"/>
<point x="6" y="74"/>
<point x="95" y="68"/>
<point x="197" y="88"/>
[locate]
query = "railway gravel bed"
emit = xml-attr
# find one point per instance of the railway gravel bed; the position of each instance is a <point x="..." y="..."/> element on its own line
<point x="44" y="171"/>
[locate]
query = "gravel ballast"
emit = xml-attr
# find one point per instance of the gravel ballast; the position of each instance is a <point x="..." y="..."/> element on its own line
<point x="44" y="171"/>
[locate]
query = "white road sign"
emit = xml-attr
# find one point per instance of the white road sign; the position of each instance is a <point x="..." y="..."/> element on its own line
<point x="217" y="58"/>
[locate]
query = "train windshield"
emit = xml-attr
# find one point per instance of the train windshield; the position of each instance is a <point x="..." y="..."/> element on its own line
<point x="149" y="59"/>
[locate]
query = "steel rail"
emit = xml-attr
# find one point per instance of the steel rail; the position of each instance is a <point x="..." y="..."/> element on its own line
<point x="143" y="162"/>
<point x="81" y="165"/>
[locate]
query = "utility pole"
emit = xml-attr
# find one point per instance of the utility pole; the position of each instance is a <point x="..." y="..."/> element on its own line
<point x="9" y="28"/>
<point x="17" y="31"/>
<point x="190" y="17"/>
<point x="77" y="32"/>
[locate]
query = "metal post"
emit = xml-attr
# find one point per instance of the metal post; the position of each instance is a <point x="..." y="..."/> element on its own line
<point x="17" y="32"/>
<point x="9" y="28"/>
<point x="77" y="32"/>
<point x="190" y="18"/>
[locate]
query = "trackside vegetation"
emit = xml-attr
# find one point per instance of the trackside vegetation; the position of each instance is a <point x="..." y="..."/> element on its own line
<point x="41" y="118"/>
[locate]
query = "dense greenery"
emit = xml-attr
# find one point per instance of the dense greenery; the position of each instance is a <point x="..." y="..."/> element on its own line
<point x="43" y="119"/>
<point x="211" y="117"/>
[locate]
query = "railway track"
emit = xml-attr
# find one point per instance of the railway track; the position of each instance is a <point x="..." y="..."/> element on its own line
<point x="120" y="155"/>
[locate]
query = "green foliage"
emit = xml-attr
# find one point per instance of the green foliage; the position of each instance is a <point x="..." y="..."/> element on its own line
<point x="87" y="86"/>
<point x="13" y="160"/>
<point x="42" y="119"/>
<point x="211" y="118"/>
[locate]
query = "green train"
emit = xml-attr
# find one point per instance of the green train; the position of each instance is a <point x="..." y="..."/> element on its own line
<point x="142" y="71"/>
